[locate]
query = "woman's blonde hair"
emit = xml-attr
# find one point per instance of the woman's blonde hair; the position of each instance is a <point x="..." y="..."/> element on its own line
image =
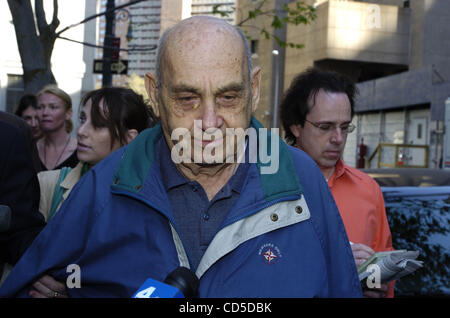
<point x="55" y="90"/>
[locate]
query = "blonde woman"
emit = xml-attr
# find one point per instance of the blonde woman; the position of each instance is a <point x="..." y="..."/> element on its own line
<point x="56" y="148"/>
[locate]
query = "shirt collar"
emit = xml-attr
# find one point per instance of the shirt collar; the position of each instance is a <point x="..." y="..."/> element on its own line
<point x="338" y="172"/>
<point x="170" y="175"/>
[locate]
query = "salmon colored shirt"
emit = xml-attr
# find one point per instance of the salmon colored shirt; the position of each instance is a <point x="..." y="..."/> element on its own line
<point x="361" y="205"/>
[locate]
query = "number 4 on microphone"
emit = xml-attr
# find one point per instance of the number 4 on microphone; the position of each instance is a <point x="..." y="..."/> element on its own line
<point x="156" y="289"/>
<point x="146" y="293"/>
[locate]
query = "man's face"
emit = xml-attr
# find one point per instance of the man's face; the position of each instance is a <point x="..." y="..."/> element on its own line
<point x="325" y="147"/>
<point x="206" y="80"/>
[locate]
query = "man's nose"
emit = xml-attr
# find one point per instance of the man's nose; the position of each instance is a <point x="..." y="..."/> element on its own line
<point x="210" y="119"/>
<point x="338" y="135"/>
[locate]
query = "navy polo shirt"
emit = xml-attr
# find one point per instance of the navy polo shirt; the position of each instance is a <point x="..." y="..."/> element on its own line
<point x="197" y="219"/>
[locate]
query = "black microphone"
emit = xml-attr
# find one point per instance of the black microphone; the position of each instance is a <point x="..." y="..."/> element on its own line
<point x="5" y="218"/>
<point x="181" y="283"/>
<point x="184" y="280"/>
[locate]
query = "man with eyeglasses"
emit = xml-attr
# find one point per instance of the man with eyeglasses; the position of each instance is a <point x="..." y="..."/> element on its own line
<point x="317" y="112"/>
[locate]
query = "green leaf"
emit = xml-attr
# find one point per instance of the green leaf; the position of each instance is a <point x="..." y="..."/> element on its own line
<point x="277" y="23"/>
<point x="216" y="10"/>
<point x="266" y="34"/>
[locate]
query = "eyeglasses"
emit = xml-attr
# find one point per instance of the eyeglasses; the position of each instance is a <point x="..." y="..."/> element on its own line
<point x="326" y="127"/>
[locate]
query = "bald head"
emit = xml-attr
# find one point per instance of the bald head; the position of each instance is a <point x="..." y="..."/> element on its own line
<point x="201" y="33"/>
<point x="203" y="82"/>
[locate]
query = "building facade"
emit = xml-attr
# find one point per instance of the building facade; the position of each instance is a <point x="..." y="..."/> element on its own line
<point x="398" y="54"/>
<point x="205" y="7"/>
<point x="139" y="28"/>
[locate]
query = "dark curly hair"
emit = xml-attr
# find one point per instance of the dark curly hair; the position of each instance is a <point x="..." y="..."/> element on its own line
<point x="295" y="104"/>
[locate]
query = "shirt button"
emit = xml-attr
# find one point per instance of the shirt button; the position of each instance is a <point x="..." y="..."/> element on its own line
<point x="206" y="216"/>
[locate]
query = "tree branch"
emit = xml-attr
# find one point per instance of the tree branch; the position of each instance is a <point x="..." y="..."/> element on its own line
<point x="250" y="16"/>
<point x="133" y="48"/>
<point x="55" y="21"/>
<point x="40" y="17"/>
<point x="98" y="15"/>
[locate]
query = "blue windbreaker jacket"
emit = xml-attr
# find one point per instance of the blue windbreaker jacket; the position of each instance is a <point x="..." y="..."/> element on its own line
<point x="282" y="238"/>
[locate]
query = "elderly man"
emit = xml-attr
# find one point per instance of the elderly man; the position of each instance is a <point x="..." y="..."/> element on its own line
<point x="158" y="204"/>
<point x="317" y="111"/>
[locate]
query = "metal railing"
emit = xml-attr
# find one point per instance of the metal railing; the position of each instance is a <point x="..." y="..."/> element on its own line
<point x="401" y="158"/>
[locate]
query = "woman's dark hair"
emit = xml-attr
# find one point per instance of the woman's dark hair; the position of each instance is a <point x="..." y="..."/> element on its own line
<point x="295" y="104"/>
<point x="123" y="109"/>
<point x="25" y="102"/>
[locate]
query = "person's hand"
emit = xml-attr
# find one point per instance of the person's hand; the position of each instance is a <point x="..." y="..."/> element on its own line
<point x="48" y="287"/>
<point x="376" y="292"/>
<point x="361" y="253"/>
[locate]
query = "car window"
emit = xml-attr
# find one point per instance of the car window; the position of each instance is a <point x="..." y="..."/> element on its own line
<point x="419" y="219"/>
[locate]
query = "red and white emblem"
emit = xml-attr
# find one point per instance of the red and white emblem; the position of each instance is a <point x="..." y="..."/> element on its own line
<point x="269" y="253"/>
<point x="269" y="256"/>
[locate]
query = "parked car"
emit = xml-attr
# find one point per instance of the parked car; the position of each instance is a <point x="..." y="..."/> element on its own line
<point x="418" y="211"/>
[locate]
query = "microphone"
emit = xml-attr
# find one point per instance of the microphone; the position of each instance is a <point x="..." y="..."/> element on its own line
<point x="5" y="218"/>
<point x="181" y="283"/>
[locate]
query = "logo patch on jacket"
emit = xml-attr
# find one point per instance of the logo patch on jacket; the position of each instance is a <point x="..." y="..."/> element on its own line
<point x="269" y="253"/>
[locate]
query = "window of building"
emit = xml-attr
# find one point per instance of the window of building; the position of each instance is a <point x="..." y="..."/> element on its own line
<point x="14" y="91"/>
<point x="254" y="47"/>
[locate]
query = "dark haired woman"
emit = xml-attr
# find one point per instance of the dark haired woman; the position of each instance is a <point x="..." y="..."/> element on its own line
<point x="109" y="119"/>
<point x="27" y="110"/>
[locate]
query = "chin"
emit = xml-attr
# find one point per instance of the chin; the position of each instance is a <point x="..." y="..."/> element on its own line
<point x="83" y="158"/>
<point x="329" y="163"/>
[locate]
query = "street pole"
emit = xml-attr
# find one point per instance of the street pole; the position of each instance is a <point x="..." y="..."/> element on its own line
<point x="108" y="44"/>
<point x="276" y="88"/>
<point x="278" y="61"/>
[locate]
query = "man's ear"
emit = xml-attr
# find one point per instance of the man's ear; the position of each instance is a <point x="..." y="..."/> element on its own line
<point x="151" y="85"/>
<point x="130" y="135"/>
<point x="295" y="130"/>
<point x="256" y="82"/>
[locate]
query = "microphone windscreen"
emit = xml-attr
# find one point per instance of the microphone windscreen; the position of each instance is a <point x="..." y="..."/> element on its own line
<point x="184" y="280"/>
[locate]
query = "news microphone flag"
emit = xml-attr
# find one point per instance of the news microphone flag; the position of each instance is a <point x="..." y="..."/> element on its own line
<point x="156" y="289"/>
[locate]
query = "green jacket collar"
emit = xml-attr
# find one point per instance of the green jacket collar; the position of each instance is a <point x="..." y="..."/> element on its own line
<point x="140" y="156"/>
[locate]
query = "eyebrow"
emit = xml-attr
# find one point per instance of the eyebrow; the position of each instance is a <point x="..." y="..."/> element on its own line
<point x="184" y="88"/>
<point x="236" y="87"/>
